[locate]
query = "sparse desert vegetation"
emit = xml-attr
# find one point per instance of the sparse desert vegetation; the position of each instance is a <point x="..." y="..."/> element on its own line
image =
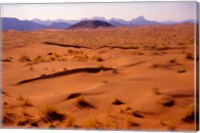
<point x="7" y="59"/>
<point x="142" y="75"/>
<point x="181" y="71"/>
<point x="82" y="103"/>
<point x="117" y="102"/>
<point x="50" y="114"/>
<point x="167" y="101"/>
<point x="131" y="123"/>
<point x="24" y="101"/>
<point x="189" y="56"/>
<point x="24" y="58"/>
<point x="190" y="113"/>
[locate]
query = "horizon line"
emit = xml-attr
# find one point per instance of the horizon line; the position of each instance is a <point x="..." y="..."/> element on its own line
<point x="92" y="18"/>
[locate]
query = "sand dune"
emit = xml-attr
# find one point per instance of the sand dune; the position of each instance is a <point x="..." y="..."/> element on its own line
<point x="117" y="78"/>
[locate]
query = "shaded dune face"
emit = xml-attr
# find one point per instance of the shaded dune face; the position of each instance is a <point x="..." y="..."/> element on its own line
<point x="135" y="78"/>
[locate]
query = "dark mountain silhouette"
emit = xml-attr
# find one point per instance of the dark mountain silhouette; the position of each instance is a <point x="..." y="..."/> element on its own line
<point x="25" y="25"/>
<point x="92" y="24"/>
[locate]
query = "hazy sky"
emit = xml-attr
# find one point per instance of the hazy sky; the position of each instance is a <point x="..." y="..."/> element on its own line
<point x="159" y="11"/>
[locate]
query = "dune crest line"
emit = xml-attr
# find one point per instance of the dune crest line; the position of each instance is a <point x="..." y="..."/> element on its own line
<point x="65" y="45"/>
<point x="67" y="72"/>
<point x="78" y="46"/>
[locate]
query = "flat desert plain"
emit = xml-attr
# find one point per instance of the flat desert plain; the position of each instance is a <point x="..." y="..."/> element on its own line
<point x="129" y="78"/>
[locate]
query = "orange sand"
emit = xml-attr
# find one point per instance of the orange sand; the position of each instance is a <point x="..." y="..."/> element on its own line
<point x="154" y="82"/>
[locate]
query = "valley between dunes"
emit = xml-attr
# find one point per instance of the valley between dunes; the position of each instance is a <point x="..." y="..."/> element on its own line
<point x="128" y="78"/>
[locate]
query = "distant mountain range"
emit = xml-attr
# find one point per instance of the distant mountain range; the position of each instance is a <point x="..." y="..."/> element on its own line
<point x="25" y="25"/>
<point x="36" y="24"/>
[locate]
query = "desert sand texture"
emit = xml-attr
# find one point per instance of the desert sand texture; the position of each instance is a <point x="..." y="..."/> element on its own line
<point x="127" y="78"/>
